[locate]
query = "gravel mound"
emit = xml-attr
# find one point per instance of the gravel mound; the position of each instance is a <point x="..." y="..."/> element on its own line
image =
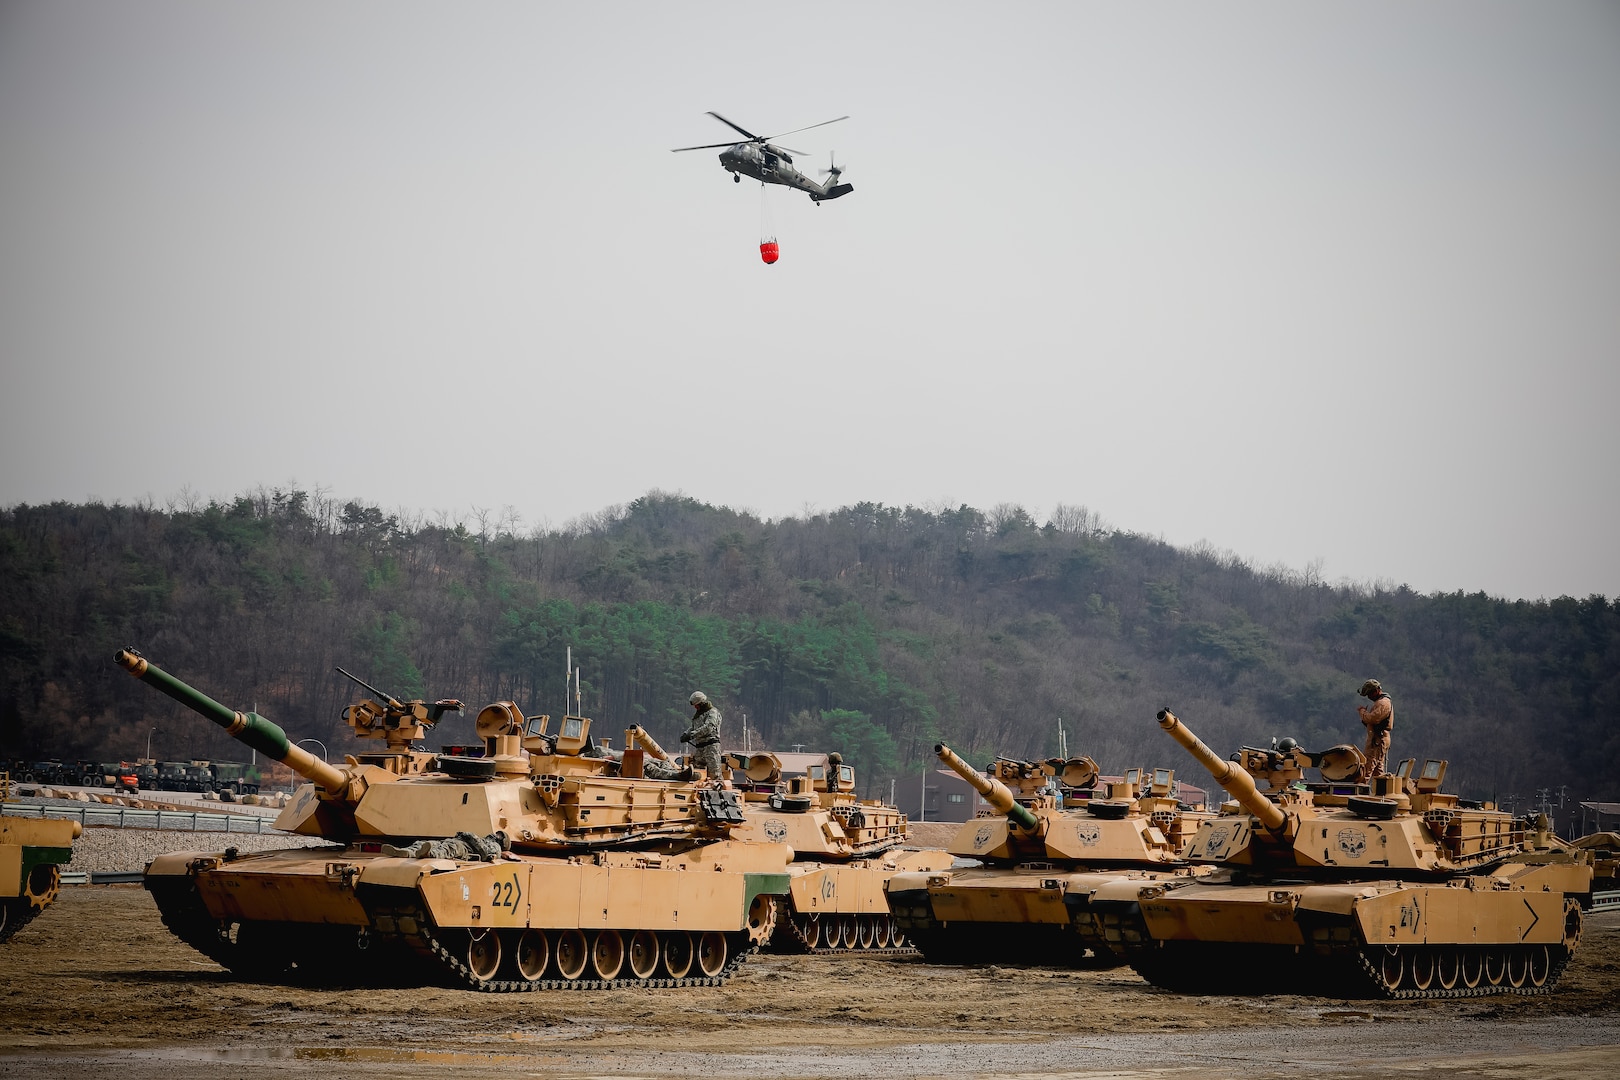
<point x="109" y="851"/>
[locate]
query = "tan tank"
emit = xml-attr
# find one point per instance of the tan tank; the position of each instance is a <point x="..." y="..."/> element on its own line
<point x="1392" y="889"/>
<point x="1029" y="901"/>
<point x="31" y="850"/>
<point x="844" y="850"/>
<point x="543" y="864"/>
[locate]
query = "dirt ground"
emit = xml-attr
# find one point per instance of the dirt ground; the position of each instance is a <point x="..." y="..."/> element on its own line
<point x="96" y="985"/>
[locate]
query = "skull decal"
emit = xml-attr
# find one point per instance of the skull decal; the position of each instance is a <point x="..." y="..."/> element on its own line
<point x="775" y="831"/>
<point x="1353" y="842"/>
<point x="1087" y="834"/>
<point x="982" y="837"/>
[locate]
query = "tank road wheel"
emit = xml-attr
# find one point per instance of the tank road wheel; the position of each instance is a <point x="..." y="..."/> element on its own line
<point x="643" y="954"/>
<point x="897" y="940"/>
<point x="1518" y="967"/>
<point x="1448" y="968"/>
<point x="849" y="931"/>
<point x="1473" y="967"/>
<point x="1540" y="965"/>
<point x="1420" y="969"/>
<point x="1391" y="967"/>
<point x="711" y="953"/>
<point x="881" y="932"/>
<point x="1495" y="966"/>
<point x="533" y="954"/>
<point x="678" y="954"/>
<point x="867" y="930"/>
<point x="572" y="954"/>
<point x="607" y="954"/>
<point x="483" y="954"/>
<point x="811" y="929"/>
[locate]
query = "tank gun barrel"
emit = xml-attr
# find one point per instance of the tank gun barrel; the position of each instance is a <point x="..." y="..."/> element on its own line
<point x="1231" y="776"/>
<point x="645" y="740"/>
<point x="249" y="728"/>
<point x="995" y="792"/>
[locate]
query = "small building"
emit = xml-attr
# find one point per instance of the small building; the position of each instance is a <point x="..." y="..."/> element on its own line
<point x="938" y="795"/>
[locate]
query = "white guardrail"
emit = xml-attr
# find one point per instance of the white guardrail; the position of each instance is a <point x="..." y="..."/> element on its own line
<point x="1606" y="901"/>
<point x="125" y="817"/>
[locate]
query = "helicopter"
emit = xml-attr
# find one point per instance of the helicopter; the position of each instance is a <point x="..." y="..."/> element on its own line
<point x="770" y="164"/>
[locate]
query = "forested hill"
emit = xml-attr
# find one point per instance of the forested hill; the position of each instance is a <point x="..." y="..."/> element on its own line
<point x="872" y="630"/>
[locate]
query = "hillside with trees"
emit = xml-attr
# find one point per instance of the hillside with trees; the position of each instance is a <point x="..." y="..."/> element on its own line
<point x="873" y="630"/>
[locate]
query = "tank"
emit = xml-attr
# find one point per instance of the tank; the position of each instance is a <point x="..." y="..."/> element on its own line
<point x="1051" y="847"/>
<point x="1390" y="889"/>
<point x="844" y="851"/>
<point x="543" y="864"/>
<point x="31" y="849"/>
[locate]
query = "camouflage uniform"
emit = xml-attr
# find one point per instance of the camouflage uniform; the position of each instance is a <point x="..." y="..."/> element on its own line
<point x="1380" y="720"/>
<point x="658" y="769"/>
<point x="704" y="735"/>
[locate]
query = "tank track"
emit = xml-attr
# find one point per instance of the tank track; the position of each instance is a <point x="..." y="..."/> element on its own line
<point x="792" y="936"/>
<point x="15" y="913"/>
<point x="182" y="910"/>
<point x="426" y="942"/>
<point x="1345" y="969"/>
<point x="1368" y="962"/>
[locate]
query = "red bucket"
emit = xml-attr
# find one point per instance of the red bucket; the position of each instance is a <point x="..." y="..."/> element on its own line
<point x="769" y="251"/>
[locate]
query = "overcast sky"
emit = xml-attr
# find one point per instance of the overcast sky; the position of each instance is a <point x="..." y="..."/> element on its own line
<point x="1305" y="281"/>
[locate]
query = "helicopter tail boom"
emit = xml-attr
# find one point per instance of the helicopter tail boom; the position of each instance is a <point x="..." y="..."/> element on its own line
<point x="833" y="192"/>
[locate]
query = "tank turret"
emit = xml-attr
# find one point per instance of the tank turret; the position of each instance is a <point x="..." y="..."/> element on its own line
<point x="539" y="860"/>
<point x="1391" y="888"/>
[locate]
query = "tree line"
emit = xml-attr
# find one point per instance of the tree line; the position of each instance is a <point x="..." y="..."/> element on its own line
<point x="873" y="630"/>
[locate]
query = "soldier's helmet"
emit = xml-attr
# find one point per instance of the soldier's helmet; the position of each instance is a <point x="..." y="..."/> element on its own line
<point x="1369" y="688"/>
<point x="835" y="758"/>
<point x="698" y="698"/>
<point x="1287" y="746"/>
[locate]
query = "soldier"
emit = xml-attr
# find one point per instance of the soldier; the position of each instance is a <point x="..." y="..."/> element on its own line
<point x="1380" y="720"/>
<point x="657" y="769"/>
<point x="704" y="735"/>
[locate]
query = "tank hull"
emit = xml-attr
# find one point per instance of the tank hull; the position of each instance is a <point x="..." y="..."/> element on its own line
<point x="31" y="850"/>
<point x="1511" y="930"/>
<point x="839" y="907"/>
<point x="365" y="912"/>
<point x="1014" y="915"/>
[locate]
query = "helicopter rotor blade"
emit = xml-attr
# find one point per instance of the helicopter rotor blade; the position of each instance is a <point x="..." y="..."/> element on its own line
<point x="795" y="131"/>
<point x="706" y="146"/>
<point x="735" y="127"/>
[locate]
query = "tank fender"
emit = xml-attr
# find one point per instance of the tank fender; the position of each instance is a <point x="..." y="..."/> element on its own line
<point x="1334" y="899"/>
<point x="930" y="859"/>
<point x="915" y="881"/>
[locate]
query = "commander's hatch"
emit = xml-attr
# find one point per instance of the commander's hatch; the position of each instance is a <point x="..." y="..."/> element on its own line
<point x="572" y="735"/>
